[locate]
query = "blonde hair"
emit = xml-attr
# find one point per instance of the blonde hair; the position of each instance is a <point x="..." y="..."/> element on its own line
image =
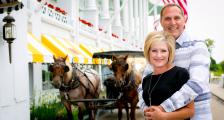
<point x="160" y="36"/>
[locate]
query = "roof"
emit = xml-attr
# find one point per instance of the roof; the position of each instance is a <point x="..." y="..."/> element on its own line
<point x="110" y="54"/>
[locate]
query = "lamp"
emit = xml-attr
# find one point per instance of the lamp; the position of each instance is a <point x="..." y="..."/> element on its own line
<point x="9" y="32"/>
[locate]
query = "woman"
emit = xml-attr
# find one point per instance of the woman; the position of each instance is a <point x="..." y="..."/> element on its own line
<point x="166" y="79"/>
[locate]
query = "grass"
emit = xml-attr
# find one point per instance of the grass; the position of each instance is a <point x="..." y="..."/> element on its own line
<point x="52" y="111"/>
<point x="49" y="107"/>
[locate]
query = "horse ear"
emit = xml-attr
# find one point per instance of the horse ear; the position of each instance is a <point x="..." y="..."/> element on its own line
<point x="114" y="58"/>
<point x="125" y="58"/>
<point x="54" y="57"/>
<point x="66" y="68"/>
<point x="65" y="57"/>
<point x="50" y="68"/>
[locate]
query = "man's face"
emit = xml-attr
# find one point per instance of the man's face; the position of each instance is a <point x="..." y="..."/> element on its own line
<point x="173" y="21"/>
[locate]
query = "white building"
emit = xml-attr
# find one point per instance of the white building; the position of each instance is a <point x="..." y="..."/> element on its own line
<point x="60" y="27"/>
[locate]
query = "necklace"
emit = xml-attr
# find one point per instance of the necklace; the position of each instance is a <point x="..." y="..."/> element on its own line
<point x="152" y="88"/>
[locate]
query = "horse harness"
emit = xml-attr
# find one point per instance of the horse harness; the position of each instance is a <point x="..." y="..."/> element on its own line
<point x="75" y="83"/>
<point x="130" y="82"/>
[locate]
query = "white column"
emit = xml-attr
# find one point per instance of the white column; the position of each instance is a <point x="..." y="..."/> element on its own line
<point x="105" y="18"/>
<point x="136" y="22"/>
<point x="117" y="21"/>
<point x="91" y="4"/>
<point x="135" y="8"/>
<point x="117" y="27"/>
<point x="125" y="21"/>
<point x="105" y="9"/>
<point x="14" y="87"/>
<point x="91" y="13"/>
<point x="140" y="11"/>
<point x="145" y="19"/>
<point x="131" y="22"/>
<point x="37" y="81"/>
<point x="74" y="18"/>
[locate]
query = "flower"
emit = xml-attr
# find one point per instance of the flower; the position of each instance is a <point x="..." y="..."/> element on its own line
<point x="50" y="6"/>
<point x="57" y="9"/>
<point x="86" y="22"/>
<point x="60" y="10"/>
<point x="114" y="35"/>
<point x="63" y="12"/>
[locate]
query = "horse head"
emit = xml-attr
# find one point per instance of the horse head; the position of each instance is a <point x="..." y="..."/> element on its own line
<point x="59" y="69"/>
<point x="120" y="67"/>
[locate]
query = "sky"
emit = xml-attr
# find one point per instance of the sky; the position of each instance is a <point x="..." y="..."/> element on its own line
<point x="206" y="20"/>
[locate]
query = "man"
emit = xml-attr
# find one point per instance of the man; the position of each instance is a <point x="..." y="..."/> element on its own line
<point x="192" y="55"/>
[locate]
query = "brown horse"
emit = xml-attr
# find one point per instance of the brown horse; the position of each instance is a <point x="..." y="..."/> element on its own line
<point x="125" y="81"/>
<point x="75" y="84"/>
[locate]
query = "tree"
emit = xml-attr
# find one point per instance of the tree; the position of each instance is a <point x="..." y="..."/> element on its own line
<point x="213" y="65"/>
<point x="222" y="66"/>
<point x="210" y="44"/>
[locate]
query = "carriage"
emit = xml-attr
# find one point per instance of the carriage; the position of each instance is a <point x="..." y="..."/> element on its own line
<point x="119" y="79"/>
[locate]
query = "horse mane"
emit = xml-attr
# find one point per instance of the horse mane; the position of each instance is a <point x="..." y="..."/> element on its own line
<point x="130" y="66"/>
<point x="131" y="70"/>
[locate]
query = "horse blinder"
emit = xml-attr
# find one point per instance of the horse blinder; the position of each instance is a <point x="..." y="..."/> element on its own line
<point x="113" y="68"/>
<point x="66" y="68"/>
<point x="126" y="67"/>
<point x="50" y="68"/>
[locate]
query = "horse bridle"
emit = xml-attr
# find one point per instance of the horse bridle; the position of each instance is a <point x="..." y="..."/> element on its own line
<point x="66" y="69"/>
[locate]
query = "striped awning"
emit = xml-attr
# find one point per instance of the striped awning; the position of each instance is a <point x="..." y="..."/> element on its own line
<point x="42" y="51"/>
<point x="62" y="47"/>
<point x="10" y="5"/>
<point x="90" y="50"/>
<point x="37" y="52"/>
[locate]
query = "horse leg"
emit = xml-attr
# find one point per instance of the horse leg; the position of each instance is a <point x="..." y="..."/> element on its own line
<point x="119" y="110"/>
<point x="132" y="114"/>
<point x="80" y="114"/>
<point x="91" y="111"/>
<point x="133" y="108"/>
<point x="127" y="110"/>
<point x="69" y="110"/>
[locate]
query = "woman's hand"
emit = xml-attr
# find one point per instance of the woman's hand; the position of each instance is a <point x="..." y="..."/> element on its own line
<point x="154" y="113"/>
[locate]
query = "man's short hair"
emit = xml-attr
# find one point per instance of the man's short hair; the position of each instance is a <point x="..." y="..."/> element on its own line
<point x="171" y="5"/>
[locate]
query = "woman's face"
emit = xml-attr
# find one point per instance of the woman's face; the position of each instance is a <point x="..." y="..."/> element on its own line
<point x="159" y="54"/>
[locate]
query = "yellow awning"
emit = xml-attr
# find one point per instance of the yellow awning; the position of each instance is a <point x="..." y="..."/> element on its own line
<point x="62" y="47"/>
<point x="89" y="50"/>
<point x="37" y="52"/>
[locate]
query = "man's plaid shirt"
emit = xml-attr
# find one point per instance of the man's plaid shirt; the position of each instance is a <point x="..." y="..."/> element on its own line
<point x="194" y="56"/>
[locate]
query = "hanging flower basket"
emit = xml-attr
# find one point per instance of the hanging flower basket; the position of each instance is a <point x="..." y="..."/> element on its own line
<point x="50" y="6"/>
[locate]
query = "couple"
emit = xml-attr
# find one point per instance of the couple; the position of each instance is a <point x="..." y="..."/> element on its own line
<point x="170" y="92"/>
